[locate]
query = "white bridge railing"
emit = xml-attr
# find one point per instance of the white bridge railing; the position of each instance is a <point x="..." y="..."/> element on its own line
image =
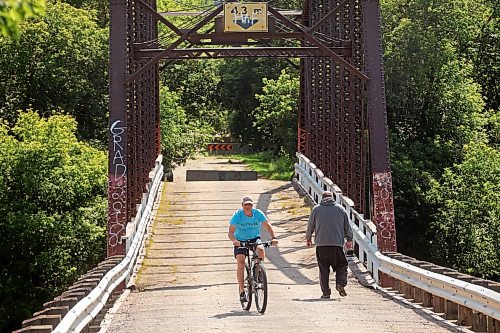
<point x="89" y="307"/>
<point x="465" y="294"/>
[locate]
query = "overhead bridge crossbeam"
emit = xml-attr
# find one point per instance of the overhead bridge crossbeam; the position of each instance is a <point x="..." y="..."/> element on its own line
<point x="186" y="13"/>
<point x="291" y="30"/>
<point x="236" y="52"/>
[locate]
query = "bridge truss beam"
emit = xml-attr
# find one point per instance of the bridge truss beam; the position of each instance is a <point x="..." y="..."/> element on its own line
<point x="342" y="118"/>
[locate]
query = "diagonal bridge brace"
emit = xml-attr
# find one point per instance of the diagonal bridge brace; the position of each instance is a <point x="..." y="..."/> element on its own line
<point x="310" y="38"/>
<point x="159" y="17"/>
<point x="172" y="46"/>
<point x="327" y="16"/>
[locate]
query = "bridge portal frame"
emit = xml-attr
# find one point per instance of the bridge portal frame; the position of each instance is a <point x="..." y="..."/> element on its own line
<point x="134" y="134"/>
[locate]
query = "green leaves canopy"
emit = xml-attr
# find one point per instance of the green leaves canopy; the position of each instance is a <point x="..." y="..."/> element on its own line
<point x="467" y="224"/>
<point x="435" y="104"/>
<point x="12" y="12"/>
<point x="59" y="63"/>
<point x="276" y="115"/>
<point x="181" y="137"/>
<point x="52" y="211"/>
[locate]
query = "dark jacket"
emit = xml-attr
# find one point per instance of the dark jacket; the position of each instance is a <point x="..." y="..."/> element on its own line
<point x="329" y="223"/>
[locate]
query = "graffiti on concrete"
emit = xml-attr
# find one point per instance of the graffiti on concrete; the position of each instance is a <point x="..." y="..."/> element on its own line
<point x="117" y="193"/>
<point x="384" y="211"/>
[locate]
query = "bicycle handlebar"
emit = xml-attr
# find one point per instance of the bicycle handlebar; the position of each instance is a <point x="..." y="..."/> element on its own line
<point x="251" y="244"/>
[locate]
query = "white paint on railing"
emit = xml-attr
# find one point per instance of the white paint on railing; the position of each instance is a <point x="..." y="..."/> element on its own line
<point x="472" y="296"/>
<point x="89" y="307"/>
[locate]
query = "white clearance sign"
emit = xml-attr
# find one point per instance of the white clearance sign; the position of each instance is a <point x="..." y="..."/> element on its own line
<point x="245" y="17"/>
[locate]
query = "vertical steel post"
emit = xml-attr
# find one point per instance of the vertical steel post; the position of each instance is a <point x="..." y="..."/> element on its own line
<point x="117" y="164"/>
<point x="383" y="206"/>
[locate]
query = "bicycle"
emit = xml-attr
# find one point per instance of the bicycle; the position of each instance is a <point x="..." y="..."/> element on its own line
<point x="256" y="279"/>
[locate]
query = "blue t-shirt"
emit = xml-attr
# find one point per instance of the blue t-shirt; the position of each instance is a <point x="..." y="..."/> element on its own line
<point x="247" y="227"/>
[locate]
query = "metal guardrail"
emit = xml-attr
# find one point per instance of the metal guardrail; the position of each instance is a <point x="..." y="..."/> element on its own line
<point x="315" y="183"/>
<point x="89" y="307"/>
<point x="462" y="293"/>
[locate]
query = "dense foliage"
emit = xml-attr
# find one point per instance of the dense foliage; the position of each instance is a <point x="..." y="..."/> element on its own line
<point x="182" y="137"/>
<point x="242" y="80"/>
<point x="12" y="12"/>
<point x="442" y="112"/>
<point x="466" y="227"/>
<point x="197" y="85"/>
<point x="276" y="115"/>
<point x="52" y="212"/>
<point x="59" y="62"/>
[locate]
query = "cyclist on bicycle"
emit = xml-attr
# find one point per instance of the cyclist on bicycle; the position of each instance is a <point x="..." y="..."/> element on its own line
<point x="244" y="226"/>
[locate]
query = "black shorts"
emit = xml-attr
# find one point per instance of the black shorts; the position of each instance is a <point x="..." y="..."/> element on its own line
<point x="244" y="250"/>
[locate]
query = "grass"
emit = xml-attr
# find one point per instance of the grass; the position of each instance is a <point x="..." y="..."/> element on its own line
<point x="267" y="164"/>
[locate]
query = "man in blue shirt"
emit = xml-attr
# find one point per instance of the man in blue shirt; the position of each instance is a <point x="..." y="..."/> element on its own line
<point x="244" y="226"/>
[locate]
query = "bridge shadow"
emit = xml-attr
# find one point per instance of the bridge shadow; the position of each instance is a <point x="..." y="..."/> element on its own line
<point x="186" y="287"/>
<point x="297" y="218"/>
<point x="228" y="162"/>
<point x="426" y="313"/>
<point x="235" y="313"/>
<point x="314" y="300"/>
<point x="276" y="257"/>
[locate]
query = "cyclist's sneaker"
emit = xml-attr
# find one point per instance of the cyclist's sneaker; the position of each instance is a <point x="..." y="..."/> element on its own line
<point x="341" y="290"/>
<point x="325" y="296"/>
<point x="243" y="297"/>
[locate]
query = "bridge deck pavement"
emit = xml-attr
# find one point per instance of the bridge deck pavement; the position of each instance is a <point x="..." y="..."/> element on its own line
<point x="187" y="282"/>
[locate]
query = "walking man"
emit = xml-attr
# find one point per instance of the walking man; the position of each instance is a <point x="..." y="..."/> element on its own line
<point x="330" y="225"/>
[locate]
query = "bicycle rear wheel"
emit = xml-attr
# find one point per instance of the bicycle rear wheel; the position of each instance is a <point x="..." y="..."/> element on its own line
<point x="260" y="279"/>
<point x="247" y="288"/>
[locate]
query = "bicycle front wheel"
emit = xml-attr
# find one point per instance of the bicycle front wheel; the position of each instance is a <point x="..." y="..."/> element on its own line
<point x="260" y="280"/>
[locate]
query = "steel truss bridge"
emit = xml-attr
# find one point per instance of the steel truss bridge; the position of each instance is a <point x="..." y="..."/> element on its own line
<point x="342" y="145"/>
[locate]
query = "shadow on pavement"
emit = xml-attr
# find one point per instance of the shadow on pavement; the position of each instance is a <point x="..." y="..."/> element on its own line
<point x="235" y="313"/>
<point x="188" y="287"/>
<point x="423" y="312"/>
<point x="275" y="256"/>
<point x="315" y="300"/>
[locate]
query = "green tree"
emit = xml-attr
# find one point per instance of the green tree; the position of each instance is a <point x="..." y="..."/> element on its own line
<point x="181" y="138"/>
<point x="485" y="53"/>
<point x="434" y="105"/>
<point x="59" y="63"/>
<point x="276" y="115"/>
<point x="12" y="12"/>
<point x="100" y="7"/>
<point x="197" y="83"/>
<point x="52" y="212"/>
<point x="241" y="81"/>
<point x="466" y="227"/>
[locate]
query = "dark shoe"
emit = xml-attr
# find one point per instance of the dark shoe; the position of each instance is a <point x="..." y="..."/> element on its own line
<point x="325" y="296"/>
<point x="243" y="297"/>
<point x="341" y="290"/>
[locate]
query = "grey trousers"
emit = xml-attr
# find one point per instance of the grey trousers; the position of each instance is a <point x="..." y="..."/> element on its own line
<point x="331" y="256"/>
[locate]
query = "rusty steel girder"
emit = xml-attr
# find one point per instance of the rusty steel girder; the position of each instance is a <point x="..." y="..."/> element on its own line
<point x="342" y="118"/>
<point x="332" y="125"/>
<point x="238" y="52"/>
<point x="134" y="117"/>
